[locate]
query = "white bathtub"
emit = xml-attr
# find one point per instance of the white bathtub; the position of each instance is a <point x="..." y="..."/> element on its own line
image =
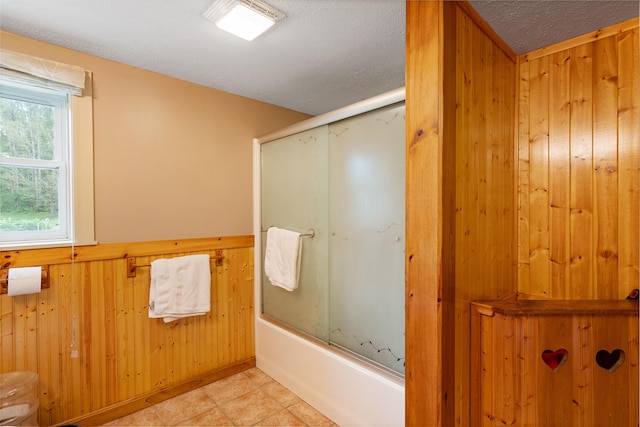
<point x="348" y="391"/>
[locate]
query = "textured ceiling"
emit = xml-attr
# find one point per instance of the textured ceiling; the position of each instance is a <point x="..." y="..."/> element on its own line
<point x="529" y="25"/>
<point x="326" y="54"/>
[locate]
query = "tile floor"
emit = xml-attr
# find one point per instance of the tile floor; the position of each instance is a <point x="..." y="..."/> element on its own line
<point x="250" y="398"/>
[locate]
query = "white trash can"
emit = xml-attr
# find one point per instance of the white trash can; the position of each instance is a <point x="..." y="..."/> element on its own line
<point x="19" y="399"/>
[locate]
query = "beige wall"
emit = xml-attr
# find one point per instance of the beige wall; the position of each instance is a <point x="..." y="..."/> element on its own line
<point x="173" y="160"/>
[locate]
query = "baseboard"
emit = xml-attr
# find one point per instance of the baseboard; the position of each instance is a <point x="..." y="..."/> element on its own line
<point x="119" y="410"/>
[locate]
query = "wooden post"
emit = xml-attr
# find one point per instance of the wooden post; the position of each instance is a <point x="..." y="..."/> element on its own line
<point x="430" y="287"/>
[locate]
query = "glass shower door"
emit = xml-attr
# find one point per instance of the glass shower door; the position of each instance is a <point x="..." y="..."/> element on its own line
<point x="295" y="197"/>
<point x="366" y="239"/>
<point x="345" y="181"/>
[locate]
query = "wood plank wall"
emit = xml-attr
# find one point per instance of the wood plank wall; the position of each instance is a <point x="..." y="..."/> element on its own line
<point x="578" y="167"/>
<point x="485" y="101"/>
<point x="546" y="183"/>
<point x="427" y="380"/>
<point x="461" y="100"/>
<point x="123" y="355"/>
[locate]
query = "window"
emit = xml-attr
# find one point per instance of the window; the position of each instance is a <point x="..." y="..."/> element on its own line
<point x="46" y="160"/>
<point x="35" y="193"/>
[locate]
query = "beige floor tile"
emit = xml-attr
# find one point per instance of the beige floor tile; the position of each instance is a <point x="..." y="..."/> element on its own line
<point x="250" y="398"/>
<point x="251" y="408"/>
<point x="184" y="407"/>
<point x="309" y="414"/>
<point x="144" y="417"/>
<point x="212" y="418"/>
<point x="283" y="418"/>
<point x="229" y="388"/>
<point x="257" y="376"/>
<point x="280" y="393"/>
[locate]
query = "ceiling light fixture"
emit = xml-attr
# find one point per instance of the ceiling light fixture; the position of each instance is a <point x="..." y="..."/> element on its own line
<point x="244" y="18"/>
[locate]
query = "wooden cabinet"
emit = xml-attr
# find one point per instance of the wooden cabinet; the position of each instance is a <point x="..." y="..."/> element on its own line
<point x="554" y="363"/>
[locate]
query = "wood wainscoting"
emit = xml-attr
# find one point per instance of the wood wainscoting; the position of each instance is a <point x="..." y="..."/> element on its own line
<point x="126" y="361"/>
<point x="554" y="363"/>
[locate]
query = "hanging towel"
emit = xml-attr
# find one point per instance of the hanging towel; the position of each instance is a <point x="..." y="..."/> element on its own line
<point x="180" y="287"/>
<point x="282" y="258"/>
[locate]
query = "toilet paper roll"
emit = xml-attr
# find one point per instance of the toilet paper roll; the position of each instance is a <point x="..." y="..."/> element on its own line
<point x="24" y="280"/>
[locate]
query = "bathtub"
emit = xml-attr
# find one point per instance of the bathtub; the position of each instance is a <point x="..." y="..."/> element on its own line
<point x="349" y="391"/>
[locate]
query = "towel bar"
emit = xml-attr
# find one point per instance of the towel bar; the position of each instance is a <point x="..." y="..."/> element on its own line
<point x="131" y="263"/>
<point x="311" y="233"/>
<point x="4" y="279"/>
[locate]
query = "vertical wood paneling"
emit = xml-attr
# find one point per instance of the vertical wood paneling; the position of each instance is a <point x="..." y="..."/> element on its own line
<point x="66" y="385"/>
<point x="224" y="331"/>
<point x="122" y="353"/>
<point x="31" y="325"/>
<point x="109" y="277"/>
<point x="44" y="359"/>
<point x="523" y="174"/>
<point x="488" y="372"/>
<point x="633" y="354"/>
<point x="581" y="218"/>
<point x="52" y="409"/>
<point x="528" y="369"/>
<point x="524" y="391"/>
<point x="463" y="42"/>
<point x="591" y="168"/>
<point x="135" y="329"/>
<point x="93" y="339"/>
<point x="124" y="372"/>
<point x="606" y="333"/>
<point x="7" y="355"/>
<point x="538" y="176"/>
<point x="553" y="336"/>
<point x="464" y="180"/>
<point x="476" y="144"/>
<point x="460" y="165"/>
<point x="507" y="252"/>
<point x="629" y="160"/>
<point x="425" y="131"/>
<point x="583" y="350"/>
<point x="20" y="329"/>
<point x="559" y="174"/>
<point x="605" y="159"/>
<point x="507" y="399"/>
<point x="484" y="187"/>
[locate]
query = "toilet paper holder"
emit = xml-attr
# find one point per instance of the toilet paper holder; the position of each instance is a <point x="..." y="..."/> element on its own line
<point x="4" y="279"/>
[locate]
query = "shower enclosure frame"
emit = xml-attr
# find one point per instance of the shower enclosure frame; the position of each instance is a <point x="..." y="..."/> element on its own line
<point x="345" y="387"/>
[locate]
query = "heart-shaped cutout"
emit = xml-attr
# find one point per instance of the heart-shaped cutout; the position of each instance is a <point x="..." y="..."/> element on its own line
<point x="610" y="361"/>
<point x="555" y="359"/>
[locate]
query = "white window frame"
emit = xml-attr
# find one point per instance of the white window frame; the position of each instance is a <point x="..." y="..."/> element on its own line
<point x="78" y="156"/>
<point x="27" y="92"/>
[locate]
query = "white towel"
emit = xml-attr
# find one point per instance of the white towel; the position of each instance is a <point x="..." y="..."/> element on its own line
<point x="180" y="287"/>
<point x="282" y="258"/>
